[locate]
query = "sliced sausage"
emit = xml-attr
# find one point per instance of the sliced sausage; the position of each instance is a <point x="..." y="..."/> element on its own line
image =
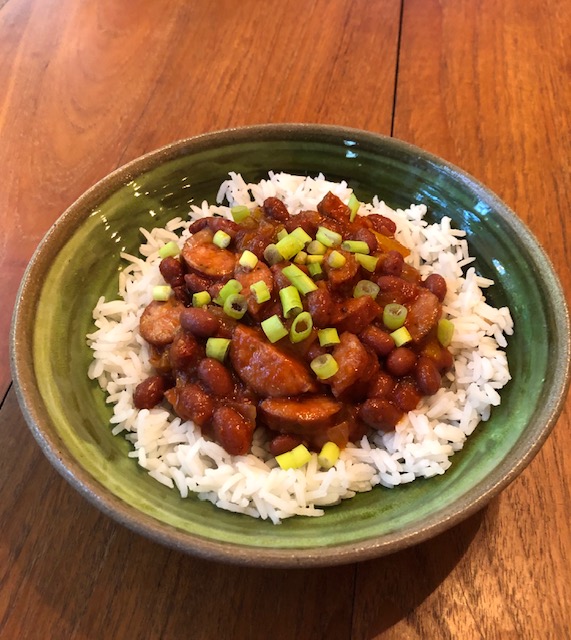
<point x="266" y="368"/>
<point x="274" y="208"/>
<point x="344" y="276"/>
<point x="248" y="277"/>
<point x="333" y="207"/>
<point x="160" y="321"/>
<point x="320" y="306"/>
<point x="202" y="255"/>
<point x="355" y="314"/>
<point x="355" y="368"/>
<point x="423" y="314"/>
<point x="304" y="415"/>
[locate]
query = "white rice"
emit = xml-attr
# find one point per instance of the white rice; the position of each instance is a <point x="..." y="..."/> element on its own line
<point x="423" y="443"/>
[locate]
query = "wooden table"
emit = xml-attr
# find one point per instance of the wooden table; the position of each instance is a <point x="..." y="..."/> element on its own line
<point x="88" y="86"/>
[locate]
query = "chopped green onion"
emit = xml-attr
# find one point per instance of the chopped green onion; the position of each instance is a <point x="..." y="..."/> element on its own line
<point x="289" y="246"/>
<point x="273" y="328"/>
<point x="272" y="255"/>
<point x="328" y="237"/>
<point x="301" y="327"/>
<point x="354" y="205"/>
<point x="221" y="239"/>
<point x="316" y="259"/>
<point x="248" y="260"/>
<point x="367" y="262"/>
<point x="240" y="212"/>
<point x="301" y="258"/>
<point x="401" y="336"/>
<point x="315" y="270"/>
<point x="366" y="288"/>
<point x="300" y="280"/>
<point x="300" y="234"/>
<point x="291" y="302"/>
<point x="201" y="299"/>
<point x="232" y="286"/>
<point x="170" y="249"/>
<point x="217" y="348"/>
<point x="260" y="291"/>
<point x="355" y="246"/>
<point x="235" y="306"/>
<point x="324" y="366"/>
<point x="162" y="292"/>
<point x="316" y="248"/>
<point x="281" y="234"/>
<point x="394" y="315"/>
<point x="328" y="337"/>
<point x="445" y="332"/>
<point x="328" y="456"/>
<point x="294" y="459"/>
<point x="336" y="260"/>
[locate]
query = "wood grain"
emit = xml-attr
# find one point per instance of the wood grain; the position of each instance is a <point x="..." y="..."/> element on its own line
<point x="87" y="87"/>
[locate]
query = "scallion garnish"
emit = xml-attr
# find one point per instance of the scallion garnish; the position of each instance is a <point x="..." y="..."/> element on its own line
<point x="248" y="260"/>
<point x="273" y="328"/>
<point x="315" y="259"/>
<point x="301" y="258"/>
<point x="445" y="332"/>
<point x="260" y="291"/>
<point x="328" y="237"/>
<point x="336" y="260"/>
<point x="324" y="366"/>
<point x="221" y="239"/>
<point x="300" y="234"/>
<point x="162" y="292"/>
<point x="355" y="246"/>
<point x="291" y="302"/>
<point x="231" y="287"/>
<point x="272" y="255"/>
<point x="316" y="248"/>
<point x="354" y="205"/>
<point x="300" y="280"/>
<point x="235" y="306"/>
<point x="201" y="299"/>
<point x="217" y="348"/>
<point x="294" y="459"/>
<point x="289" y="245"/>
<point x="394" y="315"/>
<point x="315" y="270"/>
<point x="366" y="288"/>
<point x="301" y="327"/>
<point x="239" y="212"/>
<point x="401" y="336"/>
<point x="328" y="337"/>
<point x="328" y="456"/>
<point x="367" y="262"/>
<point x="170" y="249"/>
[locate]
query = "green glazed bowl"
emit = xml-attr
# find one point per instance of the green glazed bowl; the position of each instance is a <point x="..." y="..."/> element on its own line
<point x="78" y="261"/>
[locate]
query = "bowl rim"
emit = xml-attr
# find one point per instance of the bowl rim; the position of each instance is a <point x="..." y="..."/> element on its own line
<point x="33" y="407"/>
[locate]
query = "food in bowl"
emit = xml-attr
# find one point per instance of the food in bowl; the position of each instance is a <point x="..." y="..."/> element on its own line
<point x="356" y="407"/>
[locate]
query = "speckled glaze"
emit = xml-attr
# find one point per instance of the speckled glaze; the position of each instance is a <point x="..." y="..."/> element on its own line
<point x="78" y="261"/>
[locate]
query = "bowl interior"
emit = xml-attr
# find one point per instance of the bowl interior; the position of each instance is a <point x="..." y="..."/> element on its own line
<point x="79" y="261"/>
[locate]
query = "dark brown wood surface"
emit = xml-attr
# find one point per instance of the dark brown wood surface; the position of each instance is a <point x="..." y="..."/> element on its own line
<point x="85" y="87"/>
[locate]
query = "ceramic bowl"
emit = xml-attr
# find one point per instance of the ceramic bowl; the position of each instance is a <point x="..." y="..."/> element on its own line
<point x="78" y="261"/>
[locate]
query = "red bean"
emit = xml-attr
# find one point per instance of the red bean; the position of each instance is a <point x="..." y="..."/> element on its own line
<point x="202" y="323"/>
<point x="232" y="431"/>
<point x="405" y="395"/>
<point x="215" y="377"/>
<point x="366" y="235"/>
<point x="284" y="442"/>
<point x="193" y="403"/>
<point x="436" y="284"/>
<point x="378" y="340"/>
<point x="380" y="414"/>
<point x="185" y="352"/>
<point x="392" y="264"/>
<point x="149" y="392"/>
<point x="333" y="207"/>
<point x="172" y="271"/>
<point x="276" y="209"/>
<point x="427" y="376"/>
<point x="400" y="361"/>
<point x="382" y="224"/>
<point x="382" y="385"/>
